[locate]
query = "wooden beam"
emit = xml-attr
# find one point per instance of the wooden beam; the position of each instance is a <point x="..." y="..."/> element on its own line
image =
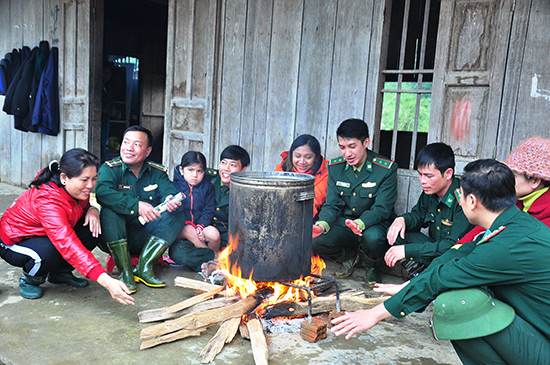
<point x="171" y="337"/>
<point x="201" y="319"/>
<point x="159" y="314"/>
<point x="192" y="301"/>
<point x="194" y="284"/>
<point x="225" y="334"/>
<point x="257" y="341"/>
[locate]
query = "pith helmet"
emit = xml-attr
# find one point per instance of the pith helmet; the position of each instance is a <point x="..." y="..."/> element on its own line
<point x="469" y="313"/>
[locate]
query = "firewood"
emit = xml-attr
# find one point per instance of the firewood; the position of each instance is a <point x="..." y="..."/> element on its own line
<point x="201" y="319"/>
<point x="194" y="284"/>
<point x="225" y="334"/>
<point x="159" y="314"/>
<point x="320" y="305"/>
<point x="313" y="331"/>
<point x="171" y="337"/>
<point x="192" y="301"/>
<point x="243" y="330"/>
<point x="257" y="341"/>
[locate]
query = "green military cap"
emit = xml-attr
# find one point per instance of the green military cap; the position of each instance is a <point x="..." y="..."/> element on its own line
<point x="468" y="313"/>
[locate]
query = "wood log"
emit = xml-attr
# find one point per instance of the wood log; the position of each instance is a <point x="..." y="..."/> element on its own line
<point x="225" y="334"/>
<point x="320" y="305"/>
<point x="243" y="329"/>
<point x="257" y="341"/>
<point x="159" y="314"/>
<point x="171" y="337"/>
<point x="201" y="319"/>
<point x="194" y="284"/>
<point x="192" y="301"/>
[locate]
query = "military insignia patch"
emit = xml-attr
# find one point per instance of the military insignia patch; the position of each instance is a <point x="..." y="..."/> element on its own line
<point x="336" y="160"/>
<point x="491" y="235"/>
<point x="150" y="187"/>
<point x="115" y="162"/>
<point x="457" y="246"/>
<point x="368" y="185"/>
<point x="343" y="184"/>
<point x="387" y="164"/>
<point x="157" y="166"/>
<point x="211" y="172"/>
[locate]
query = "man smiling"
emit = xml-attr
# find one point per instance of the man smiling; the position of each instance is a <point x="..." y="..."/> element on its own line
<point x="131" y="186"/>
<point x="437" y="209"/>
<point x="361" y="193"/>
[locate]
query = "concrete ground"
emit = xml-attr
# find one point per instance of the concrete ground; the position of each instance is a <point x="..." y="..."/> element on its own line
<point x="85" y="326"/>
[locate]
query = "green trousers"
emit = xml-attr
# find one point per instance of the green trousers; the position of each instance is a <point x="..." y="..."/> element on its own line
<point x="519" y="343"/>
<point x="184" y="252"/>
<point x="116" y="226"/>
<point x="340" y="243"/>
<point x="414" y="237"/>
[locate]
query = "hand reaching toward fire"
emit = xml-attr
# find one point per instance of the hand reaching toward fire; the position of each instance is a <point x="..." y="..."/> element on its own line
<point x="358" y="321"/>
<point x="354" y="226"/>
<point x="317" y="230"/>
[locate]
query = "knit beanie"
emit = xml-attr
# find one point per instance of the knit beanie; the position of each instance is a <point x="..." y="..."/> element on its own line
<point x="532" y="158"/>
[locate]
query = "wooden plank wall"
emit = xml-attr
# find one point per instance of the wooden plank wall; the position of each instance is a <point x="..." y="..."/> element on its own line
<point x="64" y="24"/>
<point x="289" y="68"/>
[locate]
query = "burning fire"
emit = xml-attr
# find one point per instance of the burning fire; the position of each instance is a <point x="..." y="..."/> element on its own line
<point x="235" y="284"/>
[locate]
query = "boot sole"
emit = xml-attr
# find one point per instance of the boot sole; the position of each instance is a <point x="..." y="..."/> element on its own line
<point x="140" y="280"/>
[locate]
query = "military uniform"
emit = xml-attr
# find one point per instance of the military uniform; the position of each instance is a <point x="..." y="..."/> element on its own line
<point x="512" y="260"/>
<point x="367" y="198"/>
<point x="445" y="221"/>
<point x="184" y="252"/>
<point x="119" y="192"/>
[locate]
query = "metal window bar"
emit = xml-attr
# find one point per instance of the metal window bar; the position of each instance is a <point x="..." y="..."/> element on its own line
<point x="401" y="71"/>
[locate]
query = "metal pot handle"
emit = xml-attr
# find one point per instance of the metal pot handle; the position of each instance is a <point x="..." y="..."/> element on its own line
<point x="305" y="195"/>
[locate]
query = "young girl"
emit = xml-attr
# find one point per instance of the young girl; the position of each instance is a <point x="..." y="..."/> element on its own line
<point x="200" y="203"/>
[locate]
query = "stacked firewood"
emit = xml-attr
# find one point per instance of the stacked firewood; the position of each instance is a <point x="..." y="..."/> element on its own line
<point x="194" y="315"/>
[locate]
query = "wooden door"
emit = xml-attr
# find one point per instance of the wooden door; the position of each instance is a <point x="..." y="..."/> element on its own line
<point x="469" y="75"/>
<point x="190" y="75"/>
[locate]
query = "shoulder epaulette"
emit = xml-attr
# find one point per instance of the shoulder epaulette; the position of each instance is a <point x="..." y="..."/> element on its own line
<point x="458" y="195"/>
<point x="493" y="234"/>
<point x="336" y="161"/>
<point x="387" y="164"/>
<point x="211" y="172"/>
<point x="115" y="162"/>
<point x="158" y="166"/>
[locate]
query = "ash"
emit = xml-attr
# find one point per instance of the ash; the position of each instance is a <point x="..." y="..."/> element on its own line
<point x="282" y="325"/>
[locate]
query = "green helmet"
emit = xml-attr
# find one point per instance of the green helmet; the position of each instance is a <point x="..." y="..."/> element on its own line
<point x="468" y="313"/>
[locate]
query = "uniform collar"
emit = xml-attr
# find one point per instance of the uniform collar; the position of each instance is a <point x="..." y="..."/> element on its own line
<point x="145" y="167"/>
<point x="450" y="196"/>
<point x="367" y="164"/>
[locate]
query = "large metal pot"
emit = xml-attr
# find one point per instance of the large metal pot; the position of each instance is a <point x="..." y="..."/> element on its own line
<point x="271" y="219"/>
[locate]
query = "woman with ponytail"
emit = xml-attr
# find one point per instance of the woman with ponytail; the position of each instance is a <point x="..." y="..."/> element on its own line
<point x="51" y="229"/>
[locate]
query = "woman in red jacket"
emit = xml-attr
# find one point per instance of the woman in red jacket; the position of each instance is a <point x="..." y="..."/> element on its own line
<point x="51" y="229"/>
<point x="305" y="157"/>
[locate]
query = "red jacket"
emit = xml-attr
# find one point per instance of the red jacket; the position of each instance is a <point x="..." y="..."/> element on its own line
<point x="321" y="180"/>
<point x="52" y="212"/>
<point x="540" y="209"/>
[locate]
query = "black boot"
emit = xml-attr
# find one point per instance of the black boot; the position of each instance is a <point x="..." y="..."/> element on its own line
<point x="29" y="286"/>
<point x="150" y="254"/>
<point x="123" y="261"/>
<point x="64" y="275"/>
<point x="347" y="265"/>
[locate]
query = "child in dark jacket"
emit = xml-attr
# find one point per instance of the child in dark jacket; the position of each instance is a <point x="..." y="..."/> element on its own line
<point x="200" y="203"/>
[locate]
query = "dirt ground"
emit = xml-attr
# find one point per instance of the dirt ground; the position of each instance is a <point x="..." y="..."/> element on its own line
<point x="85" y="326"/>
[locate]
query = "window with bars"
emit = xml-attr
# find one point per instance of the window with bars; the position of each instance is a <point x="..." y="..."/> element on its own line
<point x="408" y="77"/>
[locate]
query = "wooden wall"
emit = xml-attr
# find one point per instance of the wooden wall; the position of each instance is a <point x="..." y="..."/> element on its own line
<point x="64" y="24"/>
<point x="294" y="67"/>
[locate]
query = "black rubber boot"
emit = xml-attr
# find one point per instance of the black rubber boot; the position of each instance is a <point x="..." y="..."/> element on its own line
<point x="371" y="271"/>
<point x="150" y="254"/>
<point x="29" y="286"/>
<point x="65" y="276"/>
<point x="123" y="261"/>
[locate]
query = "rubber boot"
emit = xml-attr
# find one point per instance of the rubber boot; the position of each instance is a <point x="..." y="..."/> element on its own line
<point x="150" y="254"/>
<point x="347" y="266"/>
<point x="29" y="286"/>
<point x="121" y="255"/>
<point x="371" y="271"/>
<point x="64" y="275"/>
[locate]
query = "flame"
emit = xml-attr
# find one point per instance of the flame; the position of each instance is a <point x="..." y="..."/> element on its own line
<point x="235" y="284"/>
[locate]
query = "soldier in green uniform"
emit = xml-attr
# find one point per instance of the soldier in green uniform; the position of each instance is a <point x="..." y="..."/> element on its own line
<point x="232" y="159"/>
<point x="131" y="186"/>
<point x="437" y="208"/>
<point x="361" y="193"/>
<point x="511" y="259"/>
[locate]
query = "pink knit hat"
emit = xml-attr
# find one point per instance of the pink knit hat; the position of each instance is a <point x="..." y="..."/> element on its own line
<point x="531" y="158"/>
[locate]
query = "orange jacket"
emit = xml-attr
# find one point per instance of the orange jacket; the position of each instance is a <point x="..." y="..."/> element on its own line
<point x="321" y="180"/>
